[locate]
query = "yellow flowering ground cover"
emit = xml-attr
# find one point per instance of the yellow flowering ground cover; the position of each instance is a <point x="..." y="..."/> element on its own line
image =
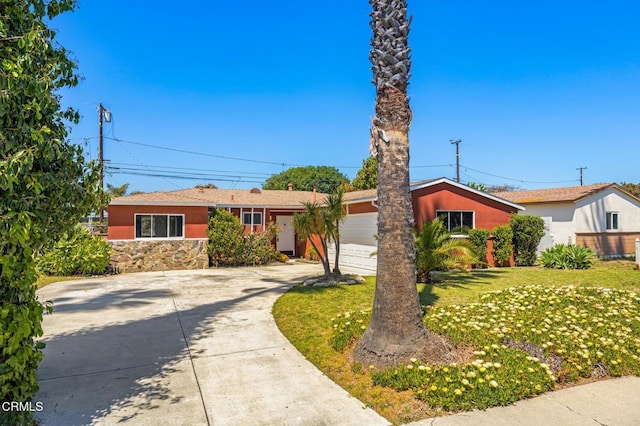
<point x="524" y="338"/>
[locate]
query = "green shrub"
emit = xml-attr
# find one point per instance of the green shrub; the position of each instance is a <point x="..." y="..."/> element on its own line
<point x="229" y="246"/>
<point x="76" y="253"/>
<point x="527" y="233"/>
<point x="258" y="247"/>
<point x="436" y="250"/>
<point x="226" y="239"/>
<point x="479" y="237"/>
<point x="567" y="256"/>
<point x="502" y="245"/>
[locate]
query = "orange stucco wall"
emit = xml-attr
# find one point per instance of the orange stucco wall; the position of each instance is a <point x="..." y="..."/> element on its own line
<point x="122" y="220"/>
<point x="488" y="213"/>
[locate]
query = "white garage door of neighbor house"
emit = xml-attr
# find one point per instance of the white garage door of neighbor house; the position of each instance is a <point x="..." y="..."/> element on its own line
<point x="286" y="238"/>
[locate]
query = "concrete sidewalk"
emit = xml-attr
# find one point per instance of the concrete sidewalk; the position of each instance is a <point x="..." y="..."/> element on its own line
<point x="201" y="348"/>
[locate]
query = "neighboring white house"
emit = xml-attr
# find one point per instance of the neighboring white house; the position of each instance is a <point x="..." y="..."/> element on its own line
<point x="604" y="217"/>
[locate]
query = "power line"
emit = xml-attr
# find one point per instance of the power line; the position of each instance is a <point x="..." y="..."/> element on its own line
<point x="161" y="168"/>
<point x="184" y="151"/>
<point x="183" y="177"/>
<point x="518" y="180"/>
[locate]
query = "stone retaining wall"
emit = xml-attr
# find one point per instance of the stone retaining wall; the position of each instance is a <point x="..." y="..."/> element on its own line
<point x="158" y="255"/>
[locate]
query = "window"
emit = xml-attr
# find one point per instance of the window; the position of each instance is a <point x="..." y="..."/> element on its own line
<point x="257" y="218"/>
<point x="612" y="220"/>
<point x="455" y="220"/>
<point x="159" y="226"/>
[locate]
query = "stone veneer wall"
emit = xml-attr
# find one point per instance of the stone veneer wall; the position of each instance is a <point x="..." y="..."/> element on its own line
<point x="158" y="255"/>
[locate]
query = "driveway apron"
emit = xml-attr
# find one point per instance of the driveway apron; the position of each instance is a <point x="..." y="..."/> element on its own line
<point x="183" y="348"/>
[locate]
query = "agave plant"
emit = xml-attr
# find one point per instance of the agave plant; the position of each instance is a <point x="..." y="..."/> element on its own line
<point x="437" y="251"/>
<point x="567" y="256"/>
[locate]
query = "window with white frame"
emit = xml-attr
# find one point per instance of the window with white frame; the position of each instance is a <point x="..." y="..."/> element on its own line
<point x="159" y="226"/>
<point x="247" y="216"/>
<point x="612" y="220"/>
<point x="456" y="220"/>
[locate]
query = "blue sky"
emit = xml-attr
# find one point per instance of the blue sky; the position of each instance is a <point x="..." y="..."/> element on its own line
<point x="534" y="89"/>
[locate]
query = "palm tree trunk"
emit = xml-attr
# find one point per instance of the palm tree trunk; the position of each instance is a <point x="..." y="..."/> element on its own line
<point x="396" y="332"/>
<point x="336" y="266"/>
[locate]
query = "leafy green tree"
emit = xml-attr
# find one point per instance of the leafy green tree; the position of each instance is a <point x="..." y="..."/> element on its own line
<point x="45" y="184"/>
<point x="437" y="251"/>
<point x="527" y="233"/>
<point x="324" y="178"/>
<point x="367" y="176"/>
<point x="396" y="332"/>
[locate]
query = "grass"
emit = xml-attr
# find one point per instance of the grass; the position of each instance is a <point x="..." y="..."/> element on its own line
<point x="306" y="315"/>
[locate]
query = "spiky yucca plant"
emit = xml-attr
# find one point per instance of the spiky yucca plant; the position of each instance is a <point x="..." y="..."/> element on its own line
<point x="396" y="332"/>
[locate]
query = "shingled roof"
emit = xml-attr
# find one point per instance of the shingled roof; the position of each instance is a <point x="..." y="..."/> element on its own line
<point x="222" y="197"/>
<point x="554" y="195"/>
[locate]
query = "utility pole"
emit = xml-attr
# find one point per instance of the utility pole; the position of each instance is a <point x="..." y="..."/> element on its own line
<point x="457" y="143"/>
<point x="581" y="169"/>
<point x="103" y="115"/>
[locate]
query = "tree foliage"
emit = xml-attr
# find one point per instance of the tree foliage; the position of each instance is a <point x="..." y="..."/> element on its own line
<point x="633" y="188"/>
<point x="117" y="191"/>
<point x="527" y="233"/>
<point x="324" y="179"/>
<point x="367" y="176"/>
<point x="45" y="185"/>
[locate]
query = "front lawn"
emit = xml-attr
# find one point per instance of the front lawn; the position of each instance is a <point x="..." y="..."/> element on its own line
<point x="584" y="333"/>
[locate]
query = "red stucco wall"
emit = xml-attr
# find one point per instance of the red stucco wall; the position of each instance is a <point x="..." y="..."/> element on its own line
<point x="365" y="207"/>
<point x="488" y="213"/>
<point x="121" y="220"/>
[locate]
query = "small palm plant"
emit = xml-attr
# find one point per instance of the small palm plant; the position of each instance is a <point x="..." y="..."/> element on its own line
<point x="437" y="251"/>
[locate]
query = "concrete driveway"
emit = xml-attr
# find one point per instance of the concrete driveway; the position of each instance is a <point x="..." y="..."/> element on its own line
<point x="183" y="348"/>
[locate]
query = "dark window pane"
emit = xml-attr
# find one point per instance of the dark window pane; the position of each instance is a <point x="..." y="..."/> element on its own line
<point x="159" y="226"/>
<point x="455" y="220"/>
<point x="467" y="219"/>
<point x="175" y="226"/>
<point x="246" y="218"/>
<point x="143" y="226"/>
<point x="257" y="218"/>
